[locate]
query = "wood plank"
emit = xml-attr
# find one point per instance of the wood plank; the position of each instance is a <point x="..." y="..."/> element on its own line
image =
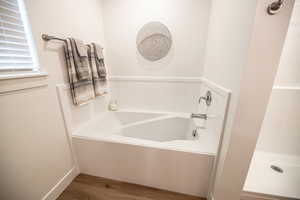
<point x="86" y="187"/>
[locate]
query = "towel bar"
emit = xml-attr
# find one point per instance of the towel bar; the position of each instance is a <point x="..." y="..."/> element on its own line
<point x="47" y="38"/>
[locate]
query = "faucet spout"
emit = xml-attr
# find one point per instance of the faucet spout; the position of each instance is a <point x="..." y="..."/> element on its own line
<point x="199" y="116"/>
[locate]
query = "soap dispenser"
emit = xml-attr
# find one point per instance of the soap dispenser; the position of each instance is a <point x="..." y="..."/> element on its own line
<point x="113" y="105"/>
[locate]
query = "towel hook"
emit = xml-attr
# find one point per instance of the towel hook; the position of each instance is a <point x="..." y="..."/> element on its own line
<point x="275" y="7"/>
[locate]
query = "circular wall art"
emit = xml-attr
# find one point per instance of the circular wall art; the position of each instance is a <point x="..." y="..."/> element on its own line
<point x="154" y="41"/>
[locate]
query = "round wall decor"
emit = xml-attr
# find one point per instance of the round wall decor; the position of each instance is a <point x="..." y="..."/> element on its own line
<point x="154" y="41"/>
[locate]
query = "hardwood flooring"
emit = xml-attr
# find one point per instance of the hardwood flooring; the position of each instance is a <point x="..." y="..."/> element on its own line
<point x="85" y="187"/>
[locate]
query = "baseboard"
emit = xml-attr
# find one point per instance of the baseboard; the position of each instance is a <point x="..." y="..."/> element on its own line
<point x="61" y="185"/>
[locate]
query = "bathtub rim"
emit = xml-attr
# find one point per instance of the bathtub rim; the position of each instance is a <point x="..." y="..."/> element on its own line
<point x="112" y="134"/>
<point x="115" y="141"/>
<point x="161" y="116"/>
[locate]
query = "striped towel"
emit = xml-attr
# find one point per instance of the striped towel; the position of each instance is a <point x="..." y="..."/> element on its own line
<point x="97" y="66"/>
<point x="80" y="75"/>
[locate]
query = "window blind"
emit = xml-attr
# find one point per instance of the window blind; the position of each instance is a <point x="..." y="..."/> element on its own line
<point x="15" y="53"/>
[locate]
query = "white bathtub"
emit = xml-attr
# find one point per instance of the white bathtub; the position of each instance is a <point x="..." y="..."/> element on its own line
<point x="152" y="149"/>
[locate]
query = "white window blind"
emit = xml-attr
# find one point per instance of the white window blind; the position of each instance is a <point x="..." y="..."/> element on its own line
<point x="15" y="51"/>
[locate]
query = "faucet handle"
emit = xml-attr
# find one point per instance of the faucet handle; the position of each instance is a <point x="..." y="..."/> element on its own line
<point x="207" y="98"/>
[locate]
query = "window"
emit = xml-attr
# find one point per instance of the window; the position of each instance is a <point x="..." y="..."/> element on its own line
<point x="16" y="46"/>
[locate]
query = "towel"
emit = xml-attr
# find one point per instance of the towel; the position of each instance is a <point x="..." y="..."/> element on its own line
<point x="80" y="75"/>
<point x="97" y="66"/>
<point x="81" y="59"/>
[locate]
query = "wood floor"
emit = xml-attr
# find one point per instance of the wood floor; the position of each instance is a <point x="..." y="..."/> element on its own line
<point x="85" y="187"/>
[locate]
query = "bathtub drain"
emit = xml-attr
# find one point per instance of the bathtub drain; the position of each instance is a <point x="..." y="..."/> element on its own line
<point x="277" y="169"/>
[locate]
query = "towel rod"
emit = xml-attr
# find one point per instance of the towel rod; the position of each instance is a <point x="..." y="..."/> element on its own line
<point x="47" y="38"/>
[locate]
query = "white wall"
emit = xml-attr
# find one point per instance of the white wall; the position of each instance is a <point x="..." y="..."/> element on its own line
<point x="187" y="21"/>
<point x="289" y="71"/>
<point x="157" y="95"/>
<point x="66" y="22"/>
<point x="280" y="130"/>
<point x="34" y="151"/>
<point x="239" y="58"/>
<point x="62" y="19"/>
<point x="229" y="36"/>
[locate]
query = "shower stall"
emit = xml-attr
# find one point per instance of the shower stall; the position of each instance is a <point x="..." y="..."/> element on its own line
<point x="275" y="168"/>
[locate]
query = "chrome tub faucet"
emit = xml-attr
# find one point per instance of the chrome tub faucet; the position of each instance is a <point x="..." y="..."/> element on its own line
<point x="199" y="116"/>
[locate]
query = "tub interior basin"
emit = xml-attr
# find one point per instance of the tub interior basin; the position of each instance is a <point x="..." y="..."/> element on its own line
<point x="111" y="122"/>
<point x="161" y="130"/>
<point x="126" y="118"/>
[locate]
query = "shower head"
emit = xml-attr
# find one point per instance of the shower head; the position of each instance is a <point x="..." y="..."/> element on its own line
<point x="274" y="7"/>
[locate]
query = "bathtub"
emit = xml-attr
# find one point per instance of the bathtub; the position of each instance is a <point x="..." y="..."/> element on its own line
<point x="149" y="148"/>
<point x="273" y="185"/>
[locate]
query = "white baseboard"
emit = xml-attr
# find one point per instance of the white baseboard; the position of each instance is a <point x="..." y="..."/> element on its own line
<point x="61" y="185"/>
